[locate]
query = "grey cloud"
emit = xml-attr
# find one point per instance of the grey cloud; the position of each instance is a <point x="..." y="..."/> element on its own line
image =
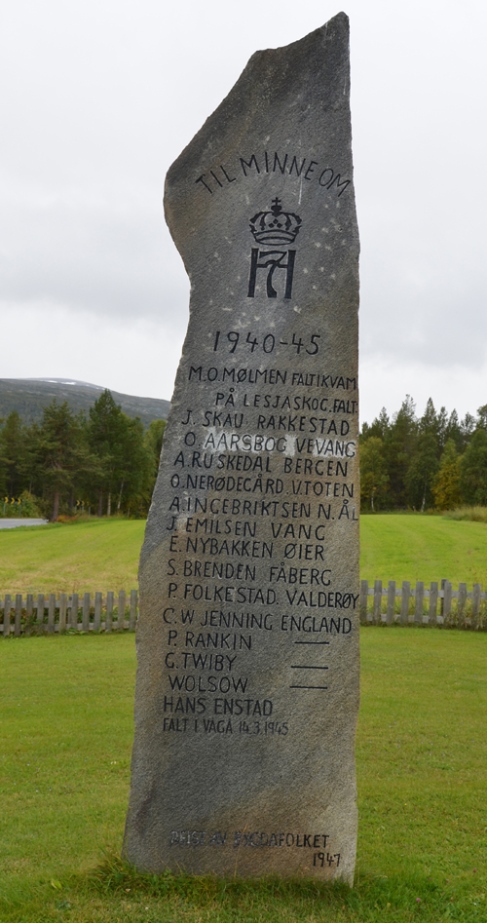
<point x="101" y="98"/>
<point x="96" y="257"/>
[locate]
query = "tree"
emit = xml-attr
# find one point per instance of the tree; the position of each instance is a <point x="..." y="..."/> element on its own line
<point x="63" y="458"/>
<point x="446" y="485"/>
<point x="482" y="417"/>
<point x="105" y="437"/>
<point x="421" y="472"/>
<point x="453" y="431"/>
<point x="399" y="447"/>
<point x="473" y="475"/>
<point x="467" y="427"/>
<point x="154" y="438"/>
<point x="380" y="427"/>
<point x="135" y="472"/>
<point x="429" y="422"/>
<point x="12" y="456"/>
<point x="442" y="422"/>
<point x="424" y="459"/>
<point x="374" y="480"/>
<point x="125" y="462"/>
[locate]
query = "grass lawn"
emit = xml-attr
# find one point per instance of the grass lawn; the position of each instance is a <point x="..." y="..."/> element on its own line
<point x="103" y="554"/>
<point x="66" y="732"/>
<point x="415" y="547"/>
<point x="98" y="555"/>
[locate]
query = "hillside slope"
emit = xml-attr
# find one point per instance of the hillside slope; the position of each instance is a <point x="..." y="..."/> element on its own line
<point x="29" y="396"/>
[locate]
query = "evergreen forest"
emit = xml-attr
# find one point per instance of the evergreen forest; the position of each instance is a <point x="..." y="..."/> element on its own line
<point x="435" y="461"/>
<point x="105" y="463"/>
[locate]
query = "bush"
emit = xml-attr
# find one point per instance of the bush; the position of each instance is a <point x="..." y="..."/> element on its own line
<point x="24" y="507"/>
<point x="469" y="513"/>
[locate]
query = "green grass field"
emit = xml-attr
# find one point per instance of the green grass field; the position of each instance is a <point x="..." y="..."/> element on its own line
<point x="66" y="733"/>
<point x="103" y="554"/>
<point x="415" y="547"/>
<point x="97" y="555"/>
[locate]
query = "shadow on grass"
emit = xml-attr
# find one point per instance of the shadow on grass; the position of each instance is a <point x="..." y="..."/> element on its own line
<point x="115" y="892"/>
<point x="116" y="876"/>
<point x="372" y="899"/>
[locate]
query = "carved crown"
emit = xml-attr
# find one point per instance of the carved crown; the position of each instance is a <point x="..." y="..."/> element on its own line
<point x="275" y="226"/>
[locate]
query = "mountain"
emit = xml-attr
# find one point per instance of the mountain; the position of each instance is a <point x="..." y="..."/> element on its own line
<point x="29" y="396"/>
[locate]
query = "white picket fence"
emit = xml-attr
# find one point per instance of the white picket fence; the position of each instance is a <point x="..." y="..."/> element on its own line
<point x="49" y="613"/>
<point x="419" y="604"/>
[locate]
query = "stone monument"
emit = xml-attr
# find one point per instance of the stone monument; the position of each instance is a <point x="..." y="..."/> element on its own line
<point x="248" y="638"/>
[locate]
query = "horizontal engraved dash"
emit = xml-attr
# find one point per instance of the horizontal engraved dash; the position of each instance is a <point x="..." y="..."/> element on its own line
<point x="308" y="687"/>
<point x="295" y="666"/>
<point x="311" y="642"/>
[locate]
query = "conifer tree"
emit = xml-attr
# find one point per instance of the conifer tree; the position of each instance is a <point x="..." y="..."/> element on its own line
<point x="424" y="460"/>
<point x="62" y="455"/>
<point x="473" y="477"/>
<point x="400" y="445"/>
<point x="124" y="470"/>
<point x="374" y="479"/>
<point x="12" y="456"/>
<point x="446" y="486"/>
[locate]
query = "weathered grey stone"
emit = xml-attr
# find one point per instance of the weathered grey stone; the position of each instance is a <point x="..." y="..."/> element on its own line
<point x="247" y="682"/>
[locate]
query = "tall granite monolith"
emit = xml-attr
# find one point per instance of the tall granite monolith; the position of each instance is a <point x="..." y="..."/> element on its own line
<point x="248" y="661"/>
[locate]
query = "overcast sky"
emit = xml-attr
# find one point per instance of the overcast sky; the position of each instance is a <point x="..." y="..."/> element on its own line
<point x="99" y="97"/>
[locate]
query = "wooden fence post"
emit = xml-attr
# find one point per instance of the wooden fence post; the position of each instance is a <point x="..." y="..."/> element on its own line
<point x="476" y="595"/>
<point x="364" y="590"/>
<point x="109" y="615"/>
<point x="98" y="605"/>
<point x="121" y="610"/>
<point x="40" y="610"/>
<point x="6" y="615"/>
<point x="85" y="626"/>
<point x="418" y="608"/>
<point x="442" y="602"/>
<point x="29" y="610"/>
<point x="391" y="602"/>
<point x="461" y="605"/>
<point x="51" y="613"/>
<point x="447" y="597"/>
<point x="63" y="606"/>
<point x="377" y="602"/>
<point x="406" y="592"/>
<point x="18" y="615"/>
<point x="73" y="621"/>
<point x="433" y="603"/>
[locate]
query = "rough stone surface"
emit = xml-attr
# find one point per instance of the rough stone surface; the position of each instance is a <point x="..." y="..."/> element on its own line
<point x="247" y="682"/>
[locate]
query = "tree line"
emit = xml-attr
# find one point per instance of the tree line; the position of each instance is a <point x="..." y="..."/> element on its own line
<point x="106" y="462"/>
<point x="103" y="463"/>
<point x="433" y="461"/>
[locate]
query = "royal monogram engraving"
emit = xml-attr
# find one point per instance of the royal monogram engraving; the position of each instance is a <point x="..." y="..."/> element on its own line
<point x="274" y="227"/>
